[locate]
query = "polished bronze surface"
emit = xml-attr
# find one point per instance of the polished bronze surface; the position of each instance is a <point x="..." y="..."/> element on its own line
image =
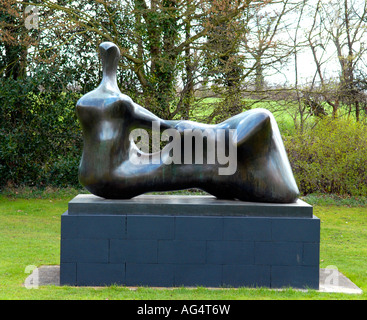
<point x="241" y="158"/>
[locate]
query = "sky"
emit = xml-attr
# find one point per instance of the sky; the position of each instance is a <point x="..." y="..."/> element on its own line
<point x="328" y="54"/>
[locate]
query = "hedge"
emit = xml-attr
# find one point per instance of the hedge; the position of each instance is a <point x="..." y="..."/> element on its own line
<point x="40" y="138"/>
<point x="330" y="158"/>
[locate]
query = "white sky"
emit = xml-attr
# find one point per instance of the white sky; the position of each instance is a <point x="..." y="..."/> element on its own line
<point x="328" y="55"/>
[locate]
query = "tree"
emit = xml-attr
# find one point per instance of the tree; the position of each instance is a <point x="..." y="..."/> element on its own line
<point x="263" y="42"/>
<point x="340" y="24"/>
<point x="14" y="40"/>
<point x="161" y="41"/>
<point x="223" y="61"/>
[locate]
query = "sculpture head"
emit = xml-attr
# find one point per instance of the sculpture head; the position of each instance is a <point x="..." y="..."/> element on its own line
<point x="110" y="56"/>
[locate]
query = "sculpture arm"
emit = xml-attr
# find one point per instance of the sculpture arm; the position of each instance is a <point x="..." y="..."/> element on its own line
<point x="145" y="118"/>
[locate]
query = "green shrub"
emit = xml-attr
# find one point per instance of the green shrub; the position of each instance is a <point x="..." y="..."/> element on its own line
<point x="330" y="158"/>
<point x="40" y="138"/>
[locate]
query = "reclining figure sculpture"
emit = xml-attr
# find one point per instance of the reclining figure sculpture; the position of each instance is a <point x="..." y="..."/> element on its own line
<point x="114" y="167"/>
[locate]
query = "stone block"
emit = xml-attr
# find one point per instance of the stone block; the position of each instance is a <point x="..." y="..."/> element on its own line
<point x="150" y="227"/>
<point x="157" y="275"/>
<point x="174" y="205"/>
<point x="198" y="228"/>
<point x="100" y="274"/>
<point x="295" y="276"/>
<point x="101" y="227"/>
<point x="193" y="275"/>
<point x="69" y="227"/>
<point x="133" y="251"/>
<point x="230" y="252"/>
<point x="68" y="274"/>
<point x="246" y="228"/>
<point x="278" y="253"/>
<point x="84" y="250"/>
<point x="311" y="254"/>
<point x="293" y="229"/>
<point x="181" y="251"/>
<point x="238" y="275"/>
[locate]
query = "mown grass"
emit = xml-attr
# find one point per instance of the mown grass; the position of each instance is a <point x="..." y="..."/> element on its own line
<point x="286" y="113"/>
<point x="283" y="111"/>
<point x="30" y="235"/>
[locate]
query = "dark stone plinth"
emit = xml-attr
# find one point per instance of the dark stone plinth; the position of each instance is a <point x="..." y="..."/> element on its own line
<point x="185" y="205"/>
<point x="136" y="244"/>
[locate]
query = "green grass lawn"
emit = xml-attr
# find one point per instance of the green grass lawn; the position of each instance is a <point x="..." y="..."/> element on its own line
<point x="283" y="111"/>
<point x="286" y="113"/>
<point x="30" y="235"/>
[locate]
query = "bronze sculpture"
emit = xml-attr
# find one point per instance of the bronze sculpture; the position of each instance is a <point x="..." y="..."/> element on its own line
<point x="114" y="167"/>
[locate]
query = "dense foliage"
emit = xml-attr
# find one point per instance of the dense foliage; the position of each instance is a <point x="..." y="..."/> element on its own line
<point x="330" y="158"/>
<point x="40" y="139"/>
